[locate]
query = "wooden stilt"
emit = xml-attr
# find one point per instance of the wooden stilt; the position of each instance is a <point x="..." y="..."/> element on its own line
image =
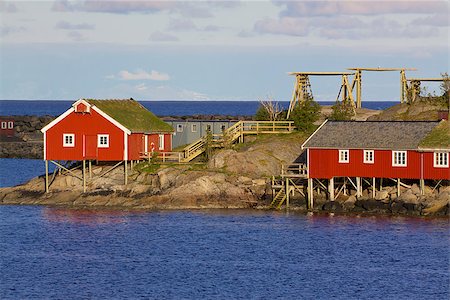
<point x="287" y="193"/>
<point x="126" y="172"/>
<point x="131" y="165"/>
<point x="46" y="176"/>
<point x="310" y="194"/>
<point x="422" y="186"/>
<point x="331" y="188"/>
<point x="398" y="187"/>
<point x="381" y="184"/>
<point x="373" y="187"/>
<point x="345" y="187"/>
<point x="90" y="169"/>
<point x="358" y="187"/>
<point x="84" y="176"/>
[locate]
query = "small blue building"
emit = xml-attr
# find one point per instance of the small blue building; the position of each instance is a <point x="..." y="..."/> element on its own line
<point x="188" y="131"/>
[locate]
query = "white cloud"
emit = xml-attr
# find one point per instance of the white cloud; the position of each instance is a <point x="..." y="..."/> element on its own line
<point x="115" y="6"/>
<point x="285" y="25"/>
<point x="159" y="36"/>
<point x="361" y="7"/>
<point x="181" y="25"/>
<point x="8" y="7"/>
<point x="143" y="75"/>
<point x="68" y="26"/>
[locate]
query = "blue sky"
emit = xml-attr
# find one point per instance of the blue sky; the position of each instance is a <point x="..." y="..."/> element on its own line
<point x="214" y="50"/>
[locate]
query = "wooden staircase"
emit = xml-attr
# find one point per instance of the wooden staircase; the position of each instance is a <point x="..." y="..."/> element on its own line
<point x="292" y="180"/>
<point x="229" y="136"/>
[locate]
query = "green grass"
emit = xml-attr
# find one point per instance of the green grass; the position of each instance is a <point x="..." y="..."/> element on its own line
<point x="147" y="167"/>
<point x="439" y="137"/>
<point x="132" y="115"/>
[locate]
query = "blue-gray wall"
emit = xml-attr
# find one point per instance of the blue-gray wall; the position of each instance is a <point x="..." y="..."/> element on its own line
<point x="187" y="132"/>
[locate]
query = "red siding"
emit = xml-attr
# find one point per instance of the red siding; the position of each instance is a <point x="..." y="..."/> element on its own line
<point x="85" y="127"/>
<point x="430" y="172"/>
<point x="324" y="163"/>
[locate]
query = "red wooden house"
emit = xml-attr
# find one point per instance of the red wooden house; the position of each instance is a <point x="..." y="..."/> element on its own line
<point x="7" y="127"/>
<point x="105" y="130"/>
<point x="379" y="149"/>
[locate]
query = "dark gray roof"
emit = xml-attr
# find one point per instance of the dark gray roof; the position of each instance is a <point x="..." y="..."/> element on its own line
<point x="401" y="135"/>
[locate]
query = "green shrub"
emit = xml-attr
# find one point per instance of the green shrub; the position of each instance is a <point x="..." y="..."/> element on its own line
<point x="305" y="114"/>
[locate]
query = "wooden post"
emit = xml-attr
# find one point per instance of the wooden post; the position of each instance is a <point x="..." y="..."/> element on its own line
<point x="131" y="165"/>
<point x="90" y="169"/>
<point x="381" y="184"/>
<point x="398" y="187"/>
<point x="287" y="193"/>
<point x="84" y="176"/>
<point x="422" y="186"/>
<point x="126" y="172"/>
<point x="373" y="187"/>
<point x="331" y="188"/>
<point x="358" y="88"/>
<point x="46" y="176"/>
<point x="310" y="194"/>
<point x="358" y="187"/>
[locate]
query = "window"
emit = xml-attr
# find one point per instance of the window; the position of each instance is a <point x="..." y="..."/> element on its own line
<point x="10" y="125"/>
<point x="399" y="158"/>
<point x="179" y="127"/>
<point x="161" y="142"/>
<point x="368" y="157"/>
<point x="440" y="159"/>
<point x="103" y="141"/>
<point x="344" y="156"/>
<point x="3" y="125"/>
<point x="68" y="140"/>
<point x="194" y="128"/>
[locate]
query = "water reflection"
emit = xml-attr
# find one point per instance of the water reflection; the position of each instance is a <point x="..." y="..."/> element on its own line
<point x="85" y="216"/>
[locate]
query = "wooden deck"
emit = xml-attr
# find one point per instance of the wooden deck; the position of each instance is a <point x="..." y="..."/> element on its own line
<point x="229" y="136"/>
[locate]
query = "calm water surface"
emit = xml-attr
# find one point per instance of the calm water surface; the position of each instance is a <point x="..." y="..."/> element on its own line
<point x="61" y="254"/>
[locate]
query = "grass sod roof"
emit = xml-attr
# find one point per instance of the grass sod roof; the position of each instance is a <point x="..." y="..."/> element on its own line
<point x="398" y="135"/>
<point x="132" y="115"/>
<point x="438" y="138"/>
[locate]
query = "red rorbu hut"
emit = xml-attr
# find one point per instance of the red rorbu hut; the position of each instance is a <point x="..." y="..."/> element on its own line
<point x="371" y="150"/>
<point x="105" y="130"/>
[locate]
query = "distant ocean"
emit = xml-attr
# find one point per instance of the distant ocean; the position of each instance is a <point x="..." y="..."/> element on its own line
<point x="160" y="108"/>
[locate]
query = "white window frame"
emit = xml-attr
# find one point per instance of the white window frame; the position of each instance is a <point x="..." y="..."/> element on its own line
<point x="69" y="143"/>
<point x="179" y="127"/>
<point x="344" y="156"/>
<point x="194" y="128"/>
<point x="161" y="142"/>
<point x="3" y="125"/>
<point x="440" y="159"/>
<point x="369" y="154"/>
<point x="10" y="125"/>
<point x="100" y="143"/>
<point x="396" y="155"/>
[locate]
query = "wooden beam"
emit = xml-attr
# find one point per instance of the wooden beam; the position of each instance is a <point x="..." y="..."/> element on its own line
<point x="310" y="193"/>
<point x="321" y="73"/>
<point x="46" y="176"/>
<point x="331" y="188"/>
<point x="84" y="176"/>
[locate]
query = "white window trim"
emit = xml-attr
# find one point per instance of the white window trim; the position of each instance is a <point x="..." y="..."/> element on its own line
<point x="161" y="142"/>
<point x="179" y="127"/>
<point x="344" y="161"/>
<point x="99" y="145"/>
<point x="10" y="125"/>
<point x="68" y="144"/>
<point x="194" y="126"/>
<point x="399" y="164"/>
<point x="435" y="161"/>
<point x="365" y="156"/>
<point x="3" y="125"/>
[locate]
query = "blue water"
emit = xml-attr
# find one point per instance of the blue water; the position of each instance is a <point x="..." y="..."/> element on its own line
<point x="16" y="171"/>
<point x="160" y="108"/>
<point x="65" y="254"/>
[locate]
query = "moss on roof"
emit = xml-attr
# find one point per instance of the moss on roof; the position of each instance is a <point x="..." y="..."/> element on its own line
<point x="132" y="115"/>
<point x="438" y="138"/>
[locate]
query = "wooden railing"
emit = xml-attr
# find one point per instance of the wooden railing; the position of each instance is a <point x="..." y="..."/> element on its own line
<point x="294" y="170"/>
<point x="230" y="135"/>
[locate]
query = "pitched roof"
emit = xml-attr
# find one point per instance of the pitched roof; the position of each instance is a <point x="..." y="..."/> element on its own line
<point x="401" y="135"/>
<point x="132" y="115"/>
<point x="438" y="138"/>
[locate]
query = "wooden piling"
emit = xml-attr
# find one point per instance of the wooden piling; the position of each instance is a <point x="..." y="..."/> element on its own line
<point x="331" y="188"/>
<point x="398" y="187"/>
<point x="126" y="172"/>
<point x="90" y="169"/>
<point x="373" y="187"/>
<point x="287" y="193"/>
<point x="84" y="176"/>
<point x="358" y="187"/>
<point x="46" y="176"/>
<point x="310" y="194"/>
